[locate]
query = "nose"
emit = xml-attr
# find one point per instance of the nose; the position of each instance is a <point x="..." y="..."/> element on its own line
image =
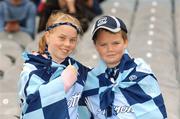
<point x="109" y="47"/>
<point x="67" y="42"/>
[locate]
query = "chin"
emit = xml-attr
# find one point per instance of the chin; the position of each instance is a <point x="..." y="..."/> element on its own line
<point x="112" y="62"/>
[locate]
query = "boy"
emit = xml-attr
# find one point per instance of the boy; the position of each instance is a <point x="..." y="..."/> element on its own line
<point x="120" y="87"/>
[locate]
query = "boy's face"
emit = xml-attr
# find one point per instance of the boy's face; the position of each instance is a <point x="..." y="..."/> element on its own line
<point x="110" y="47"/>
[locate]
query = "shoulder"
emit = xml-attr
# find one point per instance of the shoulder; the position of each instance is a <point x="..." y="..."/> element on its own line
<point x="78" y="64"/>
<point x="36" y="60"/>
<point x="31" y="5"/>
<point x="142" y="66"/>
<point x="27" y="57"/>
<point x="3" y="5"/>
<point x="27" y="67"/>
<point x="26" y="71"/>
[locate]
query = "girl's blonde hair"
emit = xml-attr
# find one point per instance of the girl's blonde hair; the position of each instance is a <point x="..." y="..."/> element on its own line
<point x="57" y="17"/>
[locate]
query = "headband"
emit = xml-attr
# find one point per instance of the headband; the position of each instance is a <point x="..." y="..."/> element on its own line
<point x="63" y="23"/>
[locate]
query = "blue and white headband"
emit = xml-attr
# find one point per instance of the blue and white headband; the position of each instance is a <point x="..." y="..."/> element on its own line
<point x="63" y="23"/>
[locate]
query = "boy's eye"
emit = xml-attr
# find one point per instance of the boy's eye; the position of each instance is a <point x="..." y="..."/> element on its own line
<point x="103" y="44"/>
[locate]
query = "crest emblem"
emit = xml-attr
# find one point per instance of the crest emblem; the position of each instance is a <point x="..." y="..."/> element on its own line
<point x="102" y="21"/>
<point x="132" y="77"/>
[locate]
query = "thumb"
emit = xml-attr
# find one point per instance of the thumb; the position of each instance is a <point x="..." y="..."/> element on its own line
<point x="69" y="76"/>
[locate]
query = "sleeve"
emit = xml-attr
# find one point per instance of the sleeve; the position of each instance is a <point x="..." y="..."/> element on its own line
<point x="90" y="89"/>
<point x="2" y="21"/>
<point x="84" y="109"/>
<point x="30" y="23"/>
<point x="38" y="94"/>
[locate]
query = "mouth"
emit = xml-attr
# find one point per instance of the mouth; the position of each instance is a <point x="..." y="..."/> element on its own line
<point x="110" y="55"/>
<point x="65" y="51"/>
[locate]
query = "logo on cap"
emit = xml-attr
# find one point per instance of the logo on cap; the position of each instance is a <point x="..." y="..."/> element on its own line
<point x="102" y="21"/>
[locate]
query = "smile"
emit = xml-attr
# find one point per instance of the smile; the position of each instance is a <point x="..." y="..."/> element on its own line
<point x="110" y="55"/>
<point x="65" y="51"/>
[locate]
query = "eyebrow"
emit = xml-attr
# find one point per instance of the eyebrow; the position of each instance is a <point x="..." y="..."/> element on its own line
<point x="66" y="35"/>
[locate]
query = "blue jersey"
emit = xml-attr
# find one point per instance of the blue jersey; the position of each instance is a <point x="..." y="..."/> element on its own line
<point x="133" y="94"/>
<point x="41" y="89"/>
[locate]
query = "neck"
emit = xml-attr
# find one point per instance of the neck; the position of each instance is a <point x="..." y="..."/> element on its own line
<point x="59" y="61"/>
<point x="112" y="65"/>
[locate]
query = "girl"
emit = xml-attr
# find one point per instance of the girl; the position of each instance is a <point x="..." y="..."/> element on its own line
<point x="51" y="82"/>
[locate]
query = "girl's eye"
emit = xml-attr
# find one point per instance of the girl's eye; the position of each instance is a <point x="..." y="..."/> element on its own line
<point x="62" y="38"/>
<point x="115" y="43"/>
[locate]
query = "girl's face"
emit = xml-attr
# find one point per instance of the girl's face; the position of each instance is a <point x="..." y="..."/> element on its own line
<point x="110" y="47"/>
<point x="61" y="42"/>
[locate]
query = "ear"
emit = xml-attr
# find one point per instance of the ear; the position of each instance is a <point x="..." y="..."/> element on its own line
<point x="47" y="35"/>
<point x="95" y="45"/>
<point x="125" y="43"/>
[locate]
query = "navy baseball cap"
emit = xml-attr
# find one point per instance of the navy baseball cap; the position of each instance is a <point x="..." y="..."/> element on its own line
<point x="110" y="23"/>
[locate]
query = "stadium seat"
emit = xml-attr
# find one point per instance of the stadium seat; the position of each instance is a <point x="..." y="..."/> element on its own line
<point x="10" y="49"/>
<point x="9" y="107"/>
<point x="23" y="39"/>
<point x="4" y="65"/>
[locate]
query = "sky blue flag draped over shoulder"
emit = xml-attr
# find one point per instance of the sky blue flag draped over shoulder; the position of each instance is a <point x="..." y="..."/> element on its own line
<point x="135" y="94"/>
<point x="41" y="89"/>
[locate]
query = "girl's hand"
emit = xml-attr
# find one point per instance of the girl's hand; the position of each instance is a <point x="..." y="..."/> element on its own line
<point x="69" y="75"/>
